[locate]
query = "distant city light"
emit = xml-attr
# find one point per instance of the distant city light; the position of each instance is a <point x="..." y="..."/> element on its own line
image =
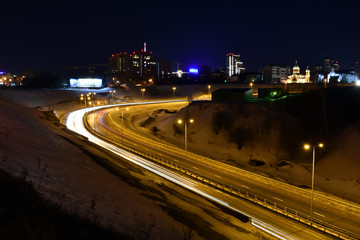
<point x="358" y="83"/>
<point x="193" y="70"/>
<point x="2" y="73"/>
<point x="86" y="82"/>
<point x="179" y="73"/>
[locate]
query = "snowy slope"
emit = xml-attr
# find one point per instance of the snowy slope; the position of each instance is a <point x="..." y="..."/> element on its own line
<point x="64" y="168"/>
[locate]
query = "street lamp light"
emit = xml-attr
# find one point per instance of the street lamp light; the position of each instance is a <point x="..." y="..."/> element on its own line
<point x="174" y="89"/>
<point x="82" y="98"/>
<point x="142" y="92"/>
<point x="180" y="121"/>
<point x="112" y="95"/>
<point x="122" y="124"/>
<point x="88" y="98"/>
<point x="92" y="95"/>
<point x="209" y="88"/>
<point x="307" y="147"/>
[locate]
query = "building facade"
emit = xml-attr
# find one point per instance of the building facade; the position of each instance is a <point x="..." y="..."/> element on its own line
<point x="340" y="76"/>
<point x="233" y="65"/>
<point x="232" y="95"/>
<point x="10" y="80"/>
<point x="275" y="73"/>
<point x="139" y="67"/>
<point x="297" y="77"/>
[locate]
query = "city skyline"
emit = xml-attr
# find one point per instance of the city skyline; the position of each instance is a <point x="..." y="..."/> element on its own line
<point x="57" y="35"/>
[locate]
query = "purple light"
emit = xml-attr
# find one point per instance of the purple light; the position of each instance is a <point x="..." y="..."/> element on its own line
<point x="2" y="73"/>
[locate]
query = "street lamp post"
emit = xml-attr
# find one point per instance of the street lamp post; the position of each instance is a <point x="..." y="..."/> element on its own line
<point x="209" y="88"/>
<point x="82" y="98"/>
<point x="94" y="115"/>
<point x="92" y="95"/>
<point x="174" y="89"/>
<point x="93" y="100"/>
<point x="88" y="98"/>
<point x="180" y="121"/>
<point x="142" y="93"/>
<point x="112" y="95"/>
<point x="122" y="124"/>
<point x="307" y="146"/>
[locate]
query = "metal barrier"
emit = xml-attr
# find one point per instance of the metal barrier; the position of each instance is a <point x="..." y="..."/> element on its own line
<point x="236" y="191"/>
<point x="331" y="201"/>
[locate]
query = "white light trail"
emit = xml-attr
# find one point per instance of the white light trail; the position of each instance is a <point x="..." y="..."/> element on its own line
<point x="75" y="123"/>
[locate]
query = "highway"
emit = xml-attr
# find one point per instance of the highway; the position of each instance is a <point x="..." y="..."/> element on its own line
<point x="278" y="225"/>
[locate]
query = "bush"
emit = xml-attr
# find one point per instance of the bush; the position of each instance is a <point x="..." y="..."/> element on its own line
<point x="240" y="136"/>
<point x="220" y="120"/>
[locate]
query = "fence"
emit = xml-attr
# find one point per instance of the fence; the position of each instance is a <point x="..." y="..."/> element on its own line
<point x="236" y="191"/>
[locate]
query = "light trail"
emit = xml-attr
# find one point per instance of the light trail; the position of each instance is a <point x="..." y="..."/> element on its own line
<point x="279" y="199"/>
<point x="75" y="123"/>
<point x="319" y="214"/>
<point x="292" y="202"/>
<point x="269" y="229"/>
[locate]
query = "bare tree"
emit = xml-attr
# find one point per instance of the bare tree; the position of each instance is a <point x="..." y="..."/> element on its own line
<point x="188" y="233"/>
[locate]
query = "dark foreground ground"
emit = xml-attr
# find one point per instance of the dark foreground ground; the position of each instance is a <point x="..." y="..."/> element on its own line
<point x="25" y="214"/>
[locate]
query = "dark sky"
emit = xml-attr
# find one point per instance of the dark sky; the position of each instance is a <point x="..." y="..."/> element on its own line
<point x="56" y="34"/>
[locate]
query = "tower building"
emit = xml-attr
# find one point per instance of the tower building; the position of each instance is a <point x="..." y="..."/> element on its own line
<point x="233" y="64"/>
<point x="307" y="74"/>
<point x="138" y="67"/>
<point x="327" y="66"/>
<point x="296" y="68"/>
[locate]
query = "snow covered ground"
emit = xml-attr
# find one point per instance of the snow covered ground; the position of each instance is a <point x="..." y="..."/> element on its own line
<point x="67" y="169"/>
<point x="337" y="173"/>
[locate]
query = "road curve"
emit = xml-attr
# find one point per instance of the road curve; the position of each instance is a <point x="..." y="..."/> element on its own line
<point x="273" y="223"/>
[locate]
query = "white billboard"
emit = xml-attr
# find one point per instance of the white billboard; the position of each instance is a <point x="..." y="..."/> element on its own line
<point x="86" y="83"/>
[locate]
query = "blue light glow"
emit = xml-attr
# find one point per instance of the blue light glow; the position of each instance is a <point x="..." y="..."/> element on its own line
<point x="193" y="70"/>
<point x="2" y="73"/>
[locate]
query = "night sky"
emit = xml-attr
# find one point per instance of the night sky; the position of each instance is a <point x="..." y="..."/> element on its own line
<point x="56" y="34"/>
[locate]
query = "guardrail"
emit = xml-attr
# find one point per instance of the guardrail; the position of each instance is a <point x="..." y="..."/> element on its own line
<point x="341" y="204"/>
<point x="236" y="191"/>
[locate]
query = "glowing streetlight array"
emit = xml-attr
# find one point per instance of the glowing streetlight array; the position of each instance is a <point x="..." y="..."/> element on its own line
<point x="142" y="92"/>
<point x="122" y="124"/>
<point x="86" y="98"/>
<point x="112" y="95"/>
<point x="186" y="122"/>
<point x="174" y="89"/>
<point x="307" y="147"/>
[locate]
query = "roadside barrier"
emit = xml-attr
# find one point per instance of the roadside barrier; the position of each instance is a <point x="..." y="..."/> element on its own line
<point x="238" y="192"/>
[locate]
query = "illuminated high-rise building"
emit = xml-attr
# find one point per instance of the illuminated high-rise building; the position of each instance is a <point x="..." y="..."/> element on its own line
<point x="357" y="66"/>
<point x="276" y="73"/>
<point x="335" y="65"/>
<point x="233" y="64"/>
<point x="327" y="66"/>
<point x="138" y="67"/>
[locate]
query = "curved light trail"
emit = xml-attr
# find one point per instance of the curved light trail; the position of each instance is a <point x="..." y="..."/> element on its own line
<point x="268" y="221"/>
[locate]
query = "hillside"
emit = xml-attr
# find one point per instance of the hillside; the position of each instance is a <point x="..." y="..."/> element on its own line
<point x="268" y="137"/>
<point x="25" y="214"/>
<point x="82" y="179"/>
